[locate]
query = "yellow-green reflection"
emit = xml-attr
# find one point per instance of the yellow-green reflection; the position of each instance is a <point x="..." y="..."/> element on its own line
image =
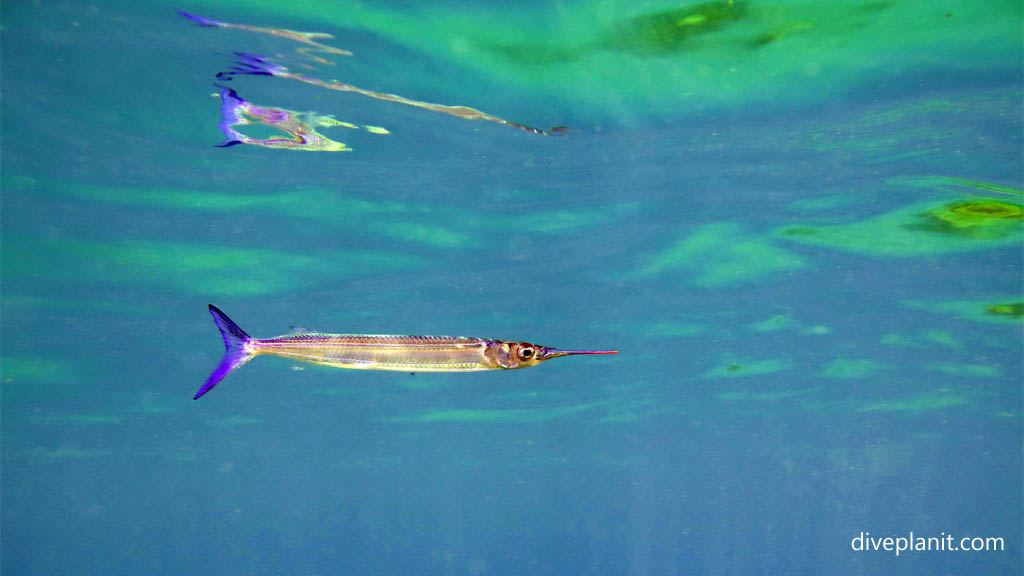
<point x="672" y="57"/>
<point x="195" y="268"/>
<point x="974" y="219"/>
<point x="920" y="230"/>
<point x="968" y="370"/>
<point x="720" y="255"/>
<point x="424" y="234"/>
<point x="941" y="337"/>
<point x="420" y="223"/>
<point x="669" y="30"/>
<point x="998" y="310"/>
<point x="1013" y="310"/>
<point x="939" y="400"/>
<point x="824" y="203"/>
<point x="852" y="368"/>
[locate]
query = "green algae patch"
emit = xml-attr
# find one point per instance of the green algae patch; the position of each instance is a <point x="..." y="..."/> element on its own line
<point x="669" y="30"/>
<point x="1004" y="311"/>
<point x="941" y="337"/>
<point x="720" y="255"/>
<point x="1011" y="310"/>
<point x="852" y="368"/>
<point x="741" y="369"/>
<point x="919" y="403"/>
<point x="966" y="370"/>
<point x="980" y="219"/>
<point x="920" y="230"/>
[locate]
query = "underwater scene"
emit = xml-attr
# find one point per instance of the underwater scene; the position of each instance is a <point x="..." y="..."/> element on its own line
<point x="592" y="287"/>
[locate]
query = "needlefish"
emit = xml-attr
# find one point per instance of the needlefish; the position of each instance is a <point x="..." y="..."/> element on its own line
<point x="379" y="352"/>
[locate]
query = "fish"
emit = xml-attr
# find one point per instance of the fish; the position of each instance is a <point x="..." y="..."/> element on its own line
<point x="378" y="351"/>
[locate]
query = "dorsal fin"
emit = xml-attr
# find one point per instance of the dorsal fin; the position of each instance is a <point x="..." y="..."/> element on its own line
<point x="299" y="331"/>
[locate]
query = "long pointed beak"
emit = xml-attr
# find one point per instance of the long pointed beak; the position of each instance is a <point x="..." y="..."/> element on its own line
<point x="553" y="353"/>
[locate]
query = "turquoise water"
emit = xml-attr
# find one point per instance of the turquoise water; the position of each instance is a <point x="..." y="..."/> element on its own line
<point x="800" y="224"/>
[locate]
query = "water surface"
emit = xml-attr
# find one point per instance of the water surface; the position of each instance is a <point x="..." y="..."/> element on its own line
<point x="800" y="223"/>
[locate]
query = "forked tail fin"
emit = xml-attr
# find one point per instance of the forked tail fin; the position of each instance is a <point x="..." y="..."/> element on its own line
<point x="236" y="353"/>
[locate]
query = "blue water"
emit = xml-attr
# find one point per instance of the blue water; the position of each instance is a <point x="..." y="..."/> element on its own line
<point x="775" y="395"/>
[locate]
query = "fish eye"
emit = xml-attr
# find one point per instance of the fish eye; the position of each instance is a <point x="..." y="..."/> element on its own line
<point x="527" y="352"/>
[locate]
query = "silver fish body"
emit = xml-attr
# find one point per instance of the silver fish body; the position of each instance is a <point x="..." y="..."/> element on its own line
<point x="379" y="352"/>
